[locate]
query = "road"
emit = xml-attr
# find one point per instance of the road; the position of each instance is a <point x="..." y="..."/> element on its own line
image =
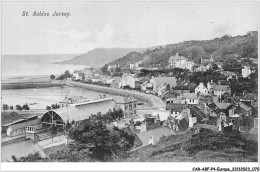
<point x="153" y="100"/>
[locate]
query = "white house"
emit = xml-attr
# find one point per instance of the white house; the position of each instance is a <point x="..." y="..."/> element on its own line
<point x="246" y="71"/>
<point x="78" y="75"/>
<point x="131" y="81"/>
<point x="160" y="82"/>
<point x="220" y="90"/>
<point x="20" y="128"/>
<point x="177" y="61"/>
<point x="189" y="65"/>
<point x="201" y="89"/>
<point x="191" y="98"/>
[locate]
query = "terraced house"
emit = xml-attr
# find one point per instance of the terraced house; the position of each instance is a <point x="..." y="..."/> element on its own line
<point x="127" y="104"/>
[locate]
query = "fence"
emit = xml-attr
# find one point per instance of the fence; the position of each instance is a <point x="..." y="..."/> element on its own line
<point x="52" y="141"/>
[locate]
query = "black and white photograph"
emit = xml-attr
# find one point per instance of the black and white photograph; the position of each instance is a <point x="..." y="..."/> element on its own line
<point x="145" y="82"/>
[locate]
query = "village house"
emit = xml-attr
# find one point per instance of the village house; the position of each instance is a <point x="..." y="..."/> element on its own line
<point x="130" y="81"/>
<point x="153" y="136"/>
<point x="160" y="83"/>
<point x="19" y="126"/>
<point x="189" y="65"/>
<point x="190" y="98"/>
<point x="116" y="82"/>
<point x="168" y="94"/>
<point x="219" y="113"/>
<point x="127" y="104"/>
<point x="202" y="89"/>
<point x="95" y="78"/>
<point x="144" y="80"/>
<point x="147" y="87"/>
<point x="78" y="76"/>
<point x="200" y="68"/>
<point x="197" y="116"/>
<point x="244" y="109"/>
<point x="205" y="61"/>
<point x="136" y="65"/>
<point x="220" y="90"/>
<point x="246" y="71"/>
<point x="181" y="89"/>
<point x="178" y="61"/>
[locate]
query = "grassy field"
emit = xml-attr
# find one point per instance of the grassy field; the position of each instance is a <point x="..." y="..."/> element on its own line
<point x="54" y="149"/>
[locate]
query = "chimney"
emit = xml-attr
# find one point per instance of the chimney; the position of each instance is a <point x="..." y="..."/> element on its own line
<point x="143" y="127"/>
<point x="151" y="140"/>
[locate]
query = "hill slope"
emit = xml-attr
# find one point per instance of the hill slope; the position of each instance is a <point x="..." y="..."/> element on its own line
<point x="100" y="56"/>
<point x="205" y="146"/>
<point x="220" y="48"/>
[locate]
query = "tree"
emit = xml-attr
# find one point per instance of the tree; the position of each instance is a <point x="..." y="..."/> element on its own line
<point x="11" y="107"/>
<point x="118" y="70"/>
<point x="48" y="107"/>
<point x="5" y="107"/>
<point x="102" y="143"/>
<point x="66" y="74"/>
<point x="52" y="77"/>
<point x="55" y="106"/>
<point x="26" y="107"/>
<point x="214" y="66"/>
<point x="18" y="107"/>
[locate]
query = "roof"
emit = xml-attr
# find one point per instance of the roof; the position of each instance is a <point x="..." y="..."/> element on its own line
<point x="144" y="79"/>
<point x="174" y="107"/>
<point x="168" y="95"/>
<point x="221" y="87"/>
<point x="156" y="133"/>
<point x="18" y="119"/>
<point x="184" y="87"/>
<point x="168" y="80"/>
<point x="222" y="105"/>
<point x="198" y="113"/>
<point x="183" y="124"/>
<point x="212" y="106"/>
<point x="251" y="96"/>
<point x="27" y="146"/>
<point x="244" y="106"/>
<point x="78" y="113"/>
<point x="25" y="124"/>
<point x="190" y="95"/>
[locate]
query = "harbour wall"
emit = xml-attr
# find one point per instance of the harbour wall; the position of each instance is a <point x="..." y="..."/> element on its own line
<point x="24" y="85"/>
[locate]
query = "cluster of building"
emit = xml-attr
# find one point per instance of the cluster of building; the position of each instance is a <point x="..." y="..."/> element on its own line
<point x="187" y="105"/>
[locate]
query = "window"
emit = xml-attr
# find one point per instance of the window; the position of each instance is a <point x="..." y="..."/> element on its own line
<point x="135" y="105"/>
<point x="126" y="107"/>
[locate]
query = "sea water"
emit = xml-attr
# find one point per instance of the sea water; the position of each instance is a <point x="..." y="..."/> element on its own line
<point x="43" y="96"/>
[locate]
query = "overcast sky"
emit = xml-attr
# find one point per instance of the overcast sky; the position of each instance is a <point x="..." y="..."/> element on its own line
<point x="119" y="24"/>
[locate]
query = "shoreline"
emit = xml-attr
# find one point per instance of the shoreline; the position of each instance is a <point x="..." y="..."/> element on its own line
<point x="154" y="101"/>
